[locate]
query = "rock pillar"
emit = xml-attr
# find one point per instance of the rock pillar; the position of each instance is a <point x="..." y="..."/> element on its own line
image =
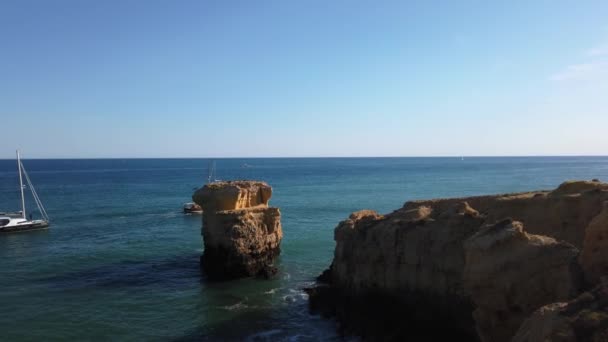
<point x="241" y="233"/>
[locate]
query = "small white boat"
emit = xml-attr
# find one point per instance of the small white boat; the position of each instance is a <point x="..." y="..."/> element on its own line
<point x="18" y="222"/>
<point x="192" y="208"/>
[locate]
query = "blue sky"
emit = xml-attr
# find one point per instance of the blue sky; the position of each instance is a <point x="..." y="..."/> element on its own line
<point x="303" y="78"/>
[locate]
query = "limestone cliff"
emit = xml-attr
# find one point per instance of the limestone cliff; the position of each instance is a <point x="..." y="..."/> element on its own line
<point x="233" y="195"/>
<point x="509" y="274"/>
<point x="563" y="213"/>
<point x="241" y="234"/>
<point x="460" y="260"/>
<point x="594" y="256"/>
<point x="580" y="320"/>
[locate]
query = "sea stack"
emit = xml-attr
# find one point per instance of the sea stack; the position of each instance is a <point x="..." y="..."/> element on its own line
<point x="241" y="233"/>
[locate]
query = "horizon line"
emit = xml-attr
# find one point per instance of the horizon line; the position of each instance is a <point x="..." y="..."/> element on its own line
<point x="323" y="157"/>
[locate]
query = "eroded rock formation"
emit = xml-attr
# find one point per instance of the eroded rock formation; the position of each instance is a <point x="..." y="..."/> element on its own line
<point x="509" y="274"/>
<point x="582" y="319"/>
<point x="563" y="213"/>
<point x="460" y="261"/>
<point x="241" y="233"/>
<point x="594" y="256"/>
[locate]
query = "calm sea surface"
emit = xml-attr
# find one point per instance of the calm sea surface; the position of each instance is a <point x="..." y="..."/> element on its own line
<point x="121" y="261"/>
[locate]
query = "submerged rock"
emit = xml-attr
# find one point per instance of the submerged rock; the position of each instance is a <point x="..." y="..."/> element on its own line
<point x="460" y="265"/>
<point x="241" y="234"/>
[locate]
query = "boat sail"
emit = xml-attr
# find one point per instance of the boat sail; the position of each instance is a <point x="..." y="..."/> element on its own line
<point x="193" y="208"/>
<point x="211" y="177"/>
<point x="18" y="222"/>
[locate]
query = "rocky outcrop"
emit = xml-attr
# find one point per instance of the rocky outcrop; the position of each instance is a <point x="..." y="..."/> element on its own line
<point x="509" y="274"/>
<point x="458" y="260"/>
<point x="584" y="319"/>
<point x="410" y="254"/>
<point x="594" y="256"/>
<point x="241" y="233"/>
<point x="563" y="213"/>
<point x="233" y="195"/>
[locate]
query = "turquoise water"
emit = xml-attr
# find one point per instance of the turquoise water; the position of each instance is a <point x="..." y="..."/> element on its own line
<point x="120" y="261"/>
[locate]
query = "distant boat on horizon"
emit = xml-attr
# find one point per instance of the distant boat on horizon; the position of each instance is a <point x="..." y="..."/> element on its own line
<point x="17" y="221"/>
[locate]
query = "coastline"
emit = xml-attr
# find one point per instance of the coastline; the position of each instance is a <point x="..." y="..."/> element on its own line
<point x="121" y="244"/>
<point x="475" y="266"/>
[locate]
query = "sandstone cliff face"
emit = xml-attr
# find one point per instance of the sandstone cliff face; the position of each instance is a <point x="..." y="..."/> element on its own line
<point x="594" y="256"/>
<point x="509" y="274"/>
<point x="582" y="319"/>
<point x="449" y="257"/>
<point x="241" y="234"/>
<point x="408" y="254"/>
<point x="409" y="257"/>
<point x="232" y="195"/>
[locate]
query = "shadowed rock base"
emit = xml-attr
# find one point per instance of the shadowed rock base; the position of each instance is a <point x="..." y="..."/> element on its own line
<point x="220" y="264"/>
<point x="382" y="317"/>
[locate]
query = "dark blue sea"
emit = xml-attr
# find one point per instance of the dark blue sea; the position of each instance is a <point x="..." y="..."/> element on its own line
<point x="121" y="261"/>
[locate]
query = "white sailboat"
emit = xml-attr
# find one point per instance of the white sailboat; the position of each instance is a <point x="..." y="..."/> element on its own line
<point x="193" y="208"/>
<point x="18" y="222"/>
<point x="211" y="177"/>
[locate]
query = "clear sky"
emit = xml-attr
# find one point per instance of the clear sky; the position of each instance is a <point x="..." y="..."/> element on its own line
<point x="251" y="78"/>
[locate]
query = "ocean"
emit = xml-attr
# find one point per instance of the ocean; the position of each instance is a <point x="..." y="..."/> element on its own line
<point x="121" y="261"/>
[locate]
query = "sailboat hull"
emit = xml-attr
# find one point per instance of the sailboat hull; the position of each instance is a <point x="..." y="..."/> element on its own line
<point x="25" y="227"/>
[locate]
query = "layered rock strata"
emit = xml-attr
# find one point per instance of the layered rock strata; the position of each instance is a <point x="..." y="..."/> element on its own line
<point x="482" y="264"/>
<point x="241" y="233"/>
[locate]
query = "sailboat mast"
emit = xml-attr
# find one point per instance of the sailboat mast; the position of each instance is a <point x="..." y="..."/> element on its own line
<point x="211" y="176"/>
<point x="21" y="184"/>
